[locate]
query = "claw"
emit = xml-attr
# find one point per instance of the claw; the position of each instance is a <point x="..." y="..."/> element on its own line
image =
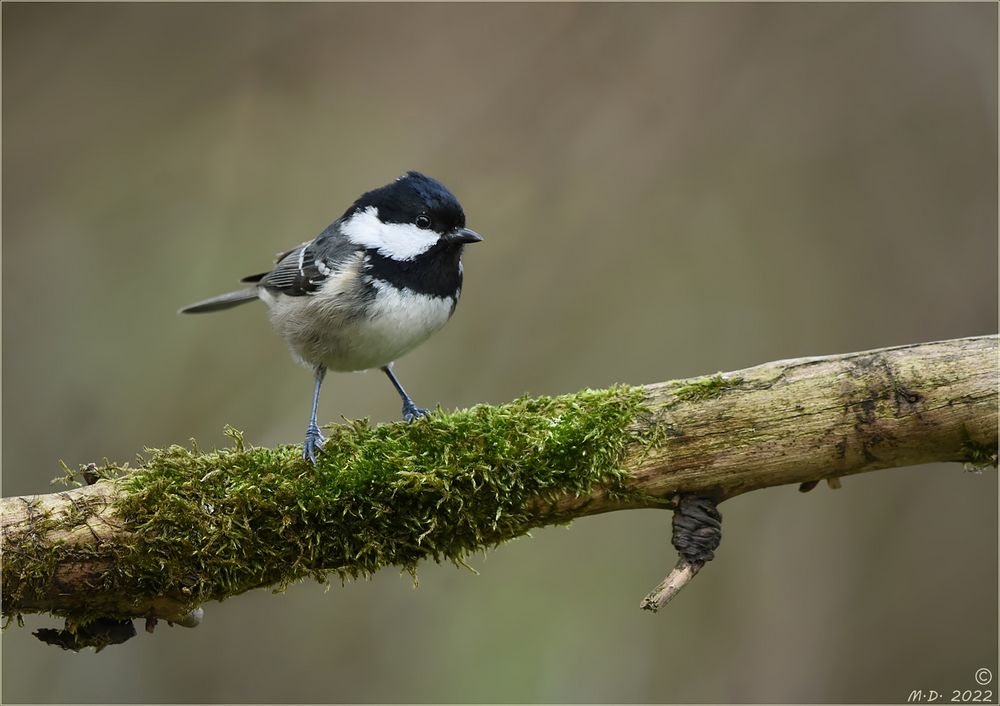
<point x="313" y="443"/>
<point x="411" y="412"/>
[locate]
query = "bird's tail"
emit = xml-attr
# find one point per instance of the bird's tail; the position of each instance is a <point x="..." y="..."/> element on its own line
<point x="223" y="301"/>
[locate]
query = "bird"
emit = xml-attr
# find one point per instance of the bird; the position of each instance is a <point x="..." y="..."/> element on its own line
<point x="375" y="284"/>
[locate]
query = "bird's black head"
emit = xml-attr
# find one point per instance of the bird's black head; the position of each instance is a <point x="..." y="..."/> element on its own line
<point x="408" y="217"/>
<point x="411" y="197"/>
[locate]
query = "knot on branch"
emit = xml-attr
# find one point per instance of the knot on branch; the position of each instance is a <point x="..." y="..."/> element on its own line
<point x="697" y="527"/>
<point x="697" y="532"/>
<point x="97" y="634"/>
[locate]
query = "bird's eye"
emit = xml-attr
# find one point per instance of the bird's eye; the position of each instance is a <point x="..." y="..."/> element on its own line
<point x="423" y="221"/>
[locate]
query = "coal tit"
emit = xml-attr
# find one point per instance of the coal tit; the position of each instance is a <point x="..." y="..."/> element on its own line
<point x="372" y="286"/>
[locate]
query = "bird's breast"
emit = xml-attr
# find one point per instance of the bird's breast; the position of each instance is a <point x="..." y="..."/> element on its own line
<point x="358" y="328"/>
<point x="398" y="320"/>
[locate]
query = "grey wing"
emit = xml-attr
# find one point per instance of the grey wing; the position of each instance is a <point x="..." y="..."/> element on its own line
<point x="304" y="269"/>
<point x="277" y="258"/>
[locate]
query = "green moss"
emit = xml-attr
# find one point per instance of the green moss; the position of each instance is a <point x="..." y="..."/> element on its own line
<point x="206" y="525"/>
<point x="706" y="388"/>
<point x="978" y="456"/>
<point x="30" y="569"/>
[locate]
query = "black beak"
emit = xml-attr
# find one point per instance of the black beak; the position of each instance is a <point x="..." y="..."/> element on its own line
<point x="464" y="235"/>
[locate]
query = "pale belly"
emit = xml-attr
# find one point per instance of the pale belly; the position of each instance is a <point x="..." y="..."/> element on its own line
<point x="319" y="332"/>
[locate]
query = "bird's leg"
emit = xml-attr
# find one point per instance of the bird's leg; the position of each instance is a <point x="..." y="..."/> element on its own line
<point x="314" y="440"/>
<point x="410" y="410"/>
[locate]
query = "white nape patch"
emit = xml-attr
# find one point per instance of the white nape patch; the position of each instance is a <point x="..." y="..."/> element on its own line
<point x="400" y="241"/>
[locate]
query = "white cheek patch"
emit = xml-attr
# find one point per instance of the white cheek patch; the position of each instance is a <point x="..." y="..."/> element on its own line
<point x="400" y="241"/>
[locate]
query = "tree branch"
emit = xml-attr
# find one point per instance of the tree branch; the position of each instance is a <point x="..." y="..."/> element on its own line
<point x="189" y="526"/>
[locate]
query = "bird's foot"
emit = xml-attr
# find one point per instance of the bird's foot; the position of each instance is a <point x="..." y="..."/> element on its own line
<point x="411" y="412"/>
<point x="313" y="443"/>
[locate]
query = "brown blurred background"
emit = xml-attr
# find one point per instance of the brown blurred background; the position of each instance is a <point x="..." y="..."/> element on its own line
<point x="665" y="190"/>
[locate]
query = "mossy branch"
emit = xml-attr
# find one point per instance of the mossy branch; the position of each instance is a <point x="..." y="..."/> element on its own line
<point x="188" y="526"/>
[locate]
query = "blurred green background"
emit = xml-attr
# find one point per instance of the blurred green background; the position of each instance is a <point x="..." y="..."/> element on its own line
<point x="665" y="191"/>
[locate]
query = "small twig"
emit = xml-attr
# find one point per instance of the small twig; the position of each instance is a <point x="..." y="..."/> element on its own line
<point x="670" y="586"/>
<point x="697" y="532"/>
